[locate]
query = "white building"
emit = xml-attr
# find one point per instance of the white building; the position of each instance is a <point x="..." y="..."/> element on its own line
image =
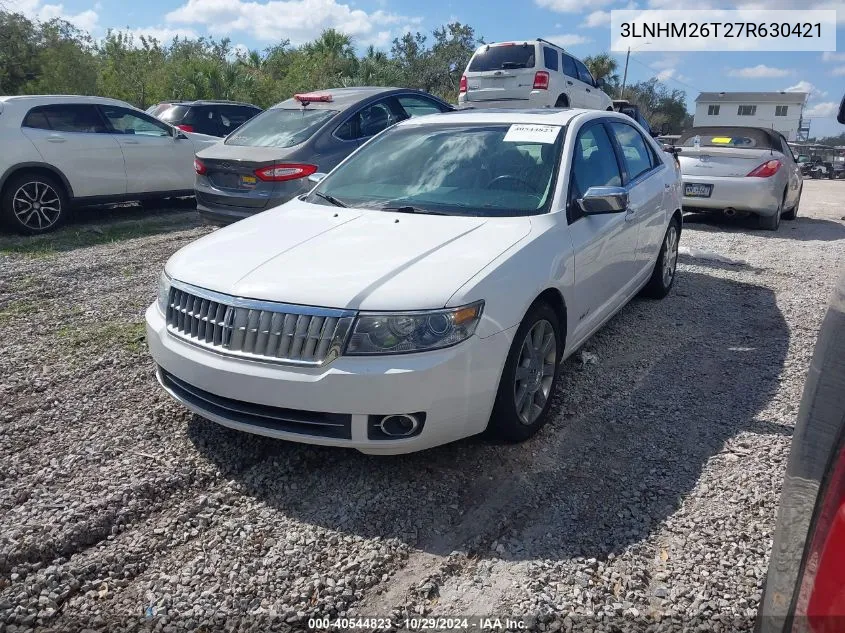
<point x="779" y="110"/>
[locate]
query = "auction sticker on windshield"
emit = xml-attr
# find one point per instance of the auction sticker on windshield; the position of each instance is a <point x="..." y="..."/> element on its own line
<point x="522" y="133"/>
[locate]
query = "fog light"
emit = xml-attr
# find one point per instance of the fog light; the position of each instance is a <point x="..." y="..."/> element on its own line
<point x="395" y="426"/>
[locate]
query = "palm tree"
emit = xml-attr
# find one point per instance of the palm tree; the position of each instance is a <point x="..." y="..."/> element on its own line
<point x="603" y="66"/>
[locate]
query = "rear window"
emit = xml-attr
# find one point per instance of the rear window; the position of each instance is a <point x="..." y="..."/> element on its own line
<point x="744" y="138"/>
<point x="172" y="113"/>
<point x="503" y="58"/>
<point x="280" y="127"/>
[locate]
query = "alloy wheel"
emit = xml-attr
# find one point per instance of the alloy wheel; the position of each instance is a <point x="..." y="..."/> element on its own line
<point x="37" y="205"/>
<point x="670" y="254"/>
<point x="535" y="372"/>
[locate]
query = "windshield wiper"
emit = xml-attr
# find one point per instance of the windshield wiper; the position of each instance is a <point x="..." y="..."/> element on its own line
<point x="410" y="209"/>
<point x="331" y="199"/>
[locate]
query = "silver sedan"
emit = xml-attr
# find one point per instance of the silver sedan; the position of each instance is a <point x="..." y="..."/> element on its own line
<point x="740" y="171"/>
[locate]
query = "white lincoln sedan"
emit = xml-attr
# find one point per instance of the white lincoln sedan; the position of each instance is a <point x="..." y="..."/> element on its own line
<point x="428" y="288"/>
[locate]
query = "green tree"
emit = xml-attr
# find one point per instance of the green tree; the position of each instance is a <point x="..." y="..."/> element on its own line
<point x="18" y="51"/>
<point x="604" y="66"/>
<point x="65" y="61"/>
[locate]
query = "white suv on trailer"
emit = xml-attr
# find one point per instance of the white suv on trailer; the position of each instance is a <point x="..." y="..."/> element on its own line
<point x="64" y="150"/>
<point x="530" y="74"/>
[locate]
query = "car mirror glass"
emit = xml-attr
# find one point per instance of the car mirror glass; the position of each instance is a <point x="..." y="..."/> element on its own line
<point x="841" y="116"/>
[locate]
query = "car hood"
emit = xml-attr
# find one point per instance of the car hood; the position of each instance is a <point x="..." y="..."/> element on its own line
<point x="346" y="258"/>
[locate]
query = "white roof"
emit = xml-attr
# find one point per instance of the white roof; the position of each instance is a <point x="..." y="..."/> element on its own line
<point x="540" y="116"/>
<point x="47" y="99"/>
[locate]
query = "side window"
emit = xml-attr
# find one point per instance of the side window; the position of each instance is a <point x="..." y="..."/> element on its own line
<point x="204" y="120"/>
<point x="584" y="74"/>
<point x="347" y="131"/>
<point x="71" y="117"/>
<point x="375" y="118"/>
<point x="419" y="106"/>
<point x="37" y="119"/>
<point x="569" y="67"/>
<point x="638" y="158"/>
<point x="232" y="117"/>
<point x="550" y="58"/>
<point x="125" y="121"/>
<point x="593" y="165"/>
<point x="787" y="150"/>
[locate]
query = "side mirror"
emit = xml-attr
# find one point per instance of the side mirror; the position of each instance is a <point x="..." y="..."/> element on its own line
<point x="664" y="128"/>
<point x="316" y="178"/>
<point x="600" y="83"/>
<point x="841" y="116"/>
<point x="601" y="200"/>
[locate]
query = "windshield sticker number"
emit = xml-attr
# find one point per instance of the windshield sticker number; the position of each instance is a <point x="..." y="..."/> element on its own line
<point x="532" y="133"/>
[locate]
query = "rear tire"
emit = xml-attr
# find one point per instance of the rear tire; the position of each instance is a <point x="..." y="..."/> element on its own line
<point x="529" y="378"/>
<point x="33" y="203"/>
<point x="793" y="212"/>
<point x="666" y="266"/>
<point x="772" y="222"/>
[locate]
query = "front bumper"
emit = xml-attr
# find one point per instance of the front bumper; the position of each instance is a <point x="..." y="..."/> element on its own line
<point x="755" y="195"/>
<point x="455" y="388"/>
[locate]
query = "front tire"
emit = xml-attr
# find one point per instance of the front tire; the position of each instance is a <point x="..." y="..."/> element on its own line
<point x="529" y="377"/>
<point x="33" y="203"/>
<point x="666" y="266"/>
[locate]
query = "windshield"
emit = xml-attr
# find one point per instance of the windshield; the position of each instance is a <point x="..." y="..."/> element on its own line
<point x="176" y="113"/>
<point x="744" y="138"/>
<point x="486" y="170"/>
<point x="279" y="127"/>
<point x="503" y="58"/>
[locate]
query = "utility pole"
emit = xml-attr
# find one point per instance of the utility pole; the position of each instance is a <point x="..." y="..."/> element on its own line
<point x="625" y="76"/>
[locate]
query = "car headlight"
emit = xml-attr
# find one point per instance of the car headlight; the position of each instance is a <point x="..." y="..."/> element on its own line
<point x="402" y="332"/>
<point x="163" y="292"/>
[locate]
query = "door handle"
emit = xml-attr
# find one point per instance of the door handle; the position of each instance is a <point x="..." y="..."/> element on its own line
<point x="128" y="142"/>
<point x="569" y="82"/>
<point x="55" y="138"/>
<point x="667" y="186"/>
<point x="588" y="90"/>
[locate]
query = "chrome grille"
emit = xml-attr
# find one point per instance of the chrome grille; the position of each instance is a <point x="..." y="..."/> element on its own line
<point x="255" y="329"/>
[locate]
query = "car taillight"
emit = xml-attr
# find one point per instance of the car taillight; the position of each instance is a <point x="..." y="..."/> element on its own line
<point x="767" y="169"/>
<point x="541" y="80"/>
<point x="200" y="167"/>
<point x="821" y="598"/>
<point x="463" y="86"/>
<point x="290" y="171"/>
<point x="186" y="128"/>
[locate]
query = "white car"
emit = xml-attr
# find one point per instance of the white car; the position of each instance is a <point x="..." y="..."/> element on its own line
<point x="529" y="74"/>
<point x="60" y="151"/>
<point x="428" y="288"/>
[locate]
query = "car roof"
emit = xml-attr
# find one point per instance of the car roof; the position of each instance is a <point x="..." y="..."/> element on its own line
<point x="208" y="102"/>
<point x="343" y="98"/>
<point x="539" y="116"/>
<point x="48" y="99"/>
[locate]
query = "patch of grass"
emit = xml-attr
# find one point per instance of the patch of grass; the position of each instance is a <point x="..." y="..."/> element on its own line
<point x="127" y="336"/>
<point x="19" y="308"/>
<point x="73" y="237"/>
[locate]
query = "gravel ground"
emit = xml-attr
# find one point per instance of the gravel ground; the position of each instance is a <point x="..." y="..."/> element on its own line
<point x="648" y="503"/>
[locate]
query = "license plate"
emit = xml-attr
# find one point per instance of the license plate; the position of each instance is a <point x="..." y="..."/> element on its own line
<point x="248" y="181"/>
<point x="693" y="190"/>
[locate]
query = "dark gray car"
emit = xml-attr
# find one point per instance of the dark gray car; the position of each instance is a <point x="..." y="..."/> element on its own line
<point x="267" y="161"/>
